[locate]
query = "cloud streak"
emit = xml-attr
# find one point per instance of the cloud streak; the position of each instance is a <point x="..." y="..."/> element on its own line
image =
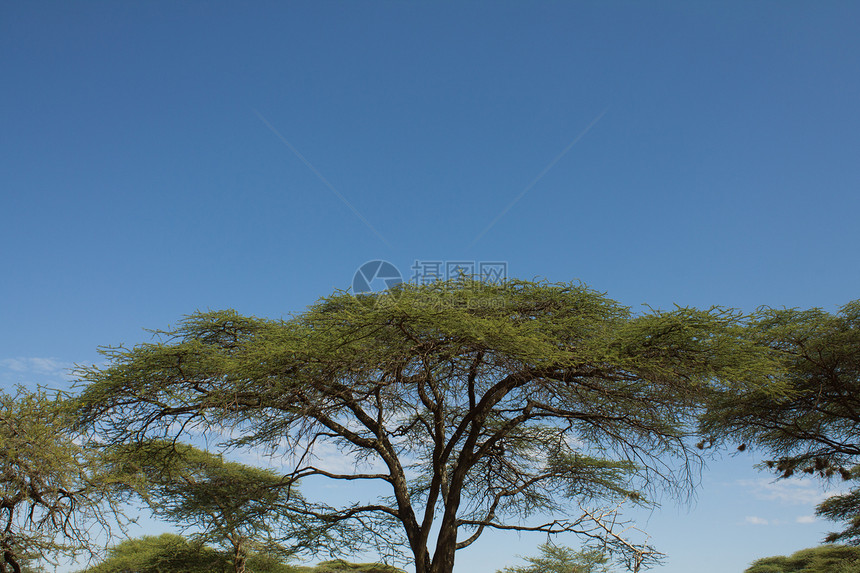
<point x="25" y="369"/>
<point x="787" y="492"/>
<point x="801" y="519"/>
<point x="540" y="176"/>
<point x="322" y="178"/>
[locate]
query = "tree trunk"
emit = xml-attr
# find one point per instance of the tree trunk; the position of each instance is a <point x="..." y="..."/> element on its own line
<point x="446" y="547"/>
<point x="422" y="560"/>
<point x="9" y="557"/>
<point x="239" y="558"/>
<point x="443" y="563"/>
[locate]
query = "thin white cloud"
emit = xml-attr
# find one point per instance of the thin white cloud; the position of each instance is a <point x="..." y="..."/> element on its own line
<point x="24" y="369"/>
<point x="756" y="520"/>
<point x="789" y="492"/>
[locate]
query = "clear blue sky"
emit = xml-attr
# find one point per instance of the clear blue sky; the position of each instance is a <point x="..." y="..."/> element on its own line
<point x="149" y="167"/>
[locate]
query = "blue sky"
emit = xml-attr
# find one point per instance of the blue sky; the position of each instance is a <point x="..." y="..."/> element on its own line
<point x="151" y="165"/>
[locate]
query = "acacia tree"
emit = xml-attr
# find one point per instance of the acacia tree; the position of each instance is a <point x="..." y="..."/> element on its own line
<point x="473" y="405"/>
<point x="166" y="553"/>
<point x="171" y="553"/>
<point x="243" y="508"/>
<point x="560" y="559"/>
<point x="341" y="566"/>
<point x="50" y="495"/>
<point x="824" y="559"/>
<point x="811" y="427"/>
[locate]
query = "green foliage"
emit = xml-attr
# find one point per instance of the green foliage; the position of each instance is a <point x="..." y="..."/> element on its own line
<point x="810" y="428"/>
<point x="50" y="500"/>
<point x="504" y="401"/>
<point x="233" y="505"/>
<point x="844" y="508"/>
<point x="170" y="553"/>
<point x="167" y="553"/>
<point x="341" y="566"/>
<point x="560" y="559"/>
<point x="824" y="559"/>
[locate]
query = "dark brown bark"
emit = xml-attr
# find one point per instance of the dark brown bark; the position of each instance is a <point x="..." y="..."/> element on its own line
<point x="239" y="558"/>
<point x="9" y="557"/>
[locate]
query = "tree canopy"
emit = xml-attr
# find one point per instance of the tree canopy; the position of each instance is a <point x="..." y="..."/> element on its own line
<point x="171" y="553"/>
<point x="824" y="559"/>
<point x="341" y="566"/>
<point x="166" y="553"/>
<point x="561" y="559"/>
<point x="239" y="507"/>
<point x="812" y="427"/>
<point x="50" y="495"/>
<point x="522" y="406"/>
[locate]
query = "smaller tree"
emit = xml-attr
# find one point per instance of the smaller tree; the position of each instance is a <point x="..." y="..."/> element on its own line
<point x="171" y="553"/>
<point x="239" y="507"/>
<point x="560" y="559"/>
<point x="167" y="553"/>
<point x="341" y="566"/>
<point x="823" y="559"/>
<point x="50" y="496"/>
